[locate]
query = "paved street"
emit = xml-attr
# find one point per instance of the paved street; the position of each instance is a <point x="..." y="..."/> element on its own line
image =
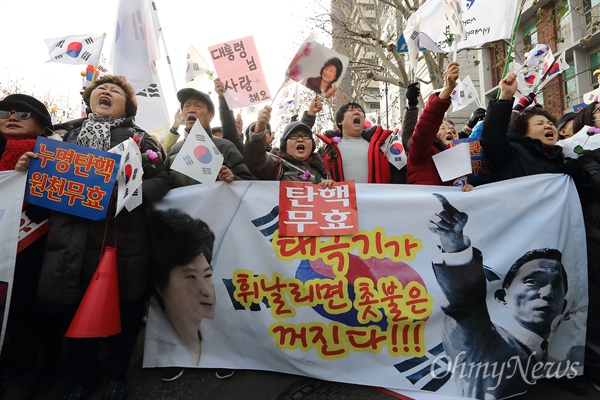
<point x="201" y="384"/>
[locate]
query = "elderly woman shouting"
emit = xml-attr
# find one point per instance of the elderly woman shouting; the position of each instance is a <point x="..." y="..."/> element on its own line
<point x="75" y="244"/>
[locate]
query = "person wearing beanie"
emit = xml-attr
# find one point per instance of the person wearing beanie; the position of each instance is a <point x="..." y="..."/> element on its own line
<point x="197" y="105"/>
<point x="565" y="125"/>
<point x="295" y="160"/>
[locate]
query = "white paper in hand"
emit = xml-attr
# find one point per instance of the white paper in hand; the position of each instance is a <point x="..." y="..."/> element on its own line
<point x="580" y="138"/>
<point x="199" y="158"/>
<point x="453" y="162"/>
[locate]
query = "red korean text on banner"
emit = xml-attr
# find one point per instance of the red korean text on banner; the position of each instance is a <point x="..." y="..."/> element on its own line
<point x="306" y="209"/>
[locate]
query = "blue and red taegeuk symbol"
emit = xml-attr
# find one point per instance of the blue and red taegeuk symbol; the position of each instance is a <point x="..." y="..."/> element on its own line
<point x="372" y="268"/>
<point x="203" y="154"/>
<point x="396" y="149"/>
<point x="91" y="73"/>
<point x="530" y="79"/>
<point x="128" y="170"/>
<point x="73" y="49"/>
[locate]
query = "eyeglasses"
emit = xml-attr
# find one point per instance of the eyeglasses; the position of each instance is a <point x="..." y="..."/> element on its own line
<point x="303" y="135"/>
<point x="19" y="114"/>
<point x="596" y="110"/>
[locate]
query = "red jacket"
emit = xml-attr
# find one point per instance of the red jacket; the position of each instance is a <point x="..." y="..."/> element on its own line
<point x="380" y="170"/>
<point x="420" y="168"/>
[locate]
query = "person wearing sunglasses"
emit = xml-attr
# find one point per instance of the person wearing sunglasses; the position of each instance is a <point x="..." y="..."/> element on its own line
<point x="22" y="119"/>
<point x="295" y="160"/>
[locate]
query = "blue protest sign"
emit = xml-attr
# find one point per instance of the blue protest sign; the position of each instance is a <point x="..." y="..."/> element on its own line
<point x="72" y="179"/>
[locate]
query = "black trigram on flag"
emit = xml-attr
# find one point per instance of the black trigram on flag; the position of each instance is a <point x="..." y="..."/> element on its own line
<point x="150" y="91"/>
<point x="89" y="40"/>
<point x="422" y="372"/>
<point x="268" y="224"/>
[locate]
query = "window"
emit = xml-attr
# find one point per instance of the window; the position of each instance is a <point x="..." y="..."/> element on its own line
<point x="373" y="106"/>
<point x="570" y="86"/>
<point x="530" y="35"/>
<point x="564" y="24"/>
<point x="368" y="7"/>
<point x="590" y="7"/>
<point x="372" y="92"/>
<point x="594" y="65"/>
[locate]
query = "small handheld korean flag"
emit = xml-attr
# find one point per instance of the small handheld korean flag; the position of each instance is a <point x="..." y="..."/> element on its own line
<point x="394" y="151"/>
<point x="129" y="177"/>
<point x="199" y="158"/>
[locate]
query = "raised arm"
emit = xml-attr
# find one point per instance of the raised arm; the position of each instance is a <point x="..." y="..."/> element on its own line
<point x="494" y="137"/>
<point x="228" y="124"/>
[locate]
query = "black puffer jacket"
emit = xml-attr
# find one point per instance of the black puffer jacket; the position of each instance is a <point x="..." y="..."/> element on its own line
<point x="75" y="244"/>
<point x="514" y="156"/>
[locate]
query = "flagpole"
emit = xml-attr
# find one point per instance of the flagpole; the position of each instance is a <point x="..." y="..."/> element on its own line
<point x="512" y="41"/>
<point x="162" y="36"/>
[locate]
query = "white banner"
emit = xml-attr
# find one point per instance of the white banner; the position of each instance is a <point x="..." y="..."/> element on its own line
<point x="12" y="189"/>
<point x="372" y="308"/>
<point x="484" y="21"/>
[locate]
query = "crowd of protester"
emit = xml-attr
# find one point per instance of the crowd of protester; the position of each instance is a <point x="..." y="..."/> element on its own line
<point x="518" y="139"/>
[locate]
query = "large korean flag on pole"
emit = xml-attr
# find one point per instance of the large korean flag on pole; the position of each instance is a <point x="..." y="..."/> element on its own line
<point x="134" y="56"/>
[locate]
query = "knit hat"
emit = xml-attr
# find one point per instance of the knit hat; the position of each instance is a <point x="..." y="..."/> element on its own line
<point x="188" y="93"/>
<point x="293" y="127"/>
<point x="23" y="102"/>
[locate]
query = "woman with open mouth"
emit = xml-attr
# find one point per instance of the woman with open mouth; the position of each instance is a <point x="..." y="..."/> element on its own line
<point x="432" y="135"/>
<point x="295" y="160"/>
<point x="75" y="245"/>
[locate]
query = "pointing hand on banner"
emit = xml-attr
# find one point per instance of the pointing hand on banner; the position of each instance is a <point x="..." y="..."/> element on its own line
<point x="450" y="227"/>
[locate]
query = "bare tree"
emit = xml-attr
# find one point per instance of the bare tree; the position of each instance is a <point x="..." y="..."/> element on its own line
<point x="57" y="103"/>
<point x="372" y="27"/>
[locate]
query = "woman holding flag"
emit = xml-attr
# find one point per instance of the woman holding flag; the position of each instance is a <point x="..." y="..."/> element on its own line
<point x="75" y="245"/>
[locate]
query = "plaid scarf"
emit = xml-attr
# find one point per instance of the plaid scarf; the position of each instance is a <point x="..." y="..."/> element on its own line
<point x="95" y="131"/>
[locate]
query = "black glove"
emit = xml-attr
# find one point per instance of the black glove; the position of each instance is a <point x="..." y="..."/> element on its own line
<point x="524" y="102"/>
<point x="412" y="94"/>
<point x="478" y="115"/>
<point x="573" y="168"/>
